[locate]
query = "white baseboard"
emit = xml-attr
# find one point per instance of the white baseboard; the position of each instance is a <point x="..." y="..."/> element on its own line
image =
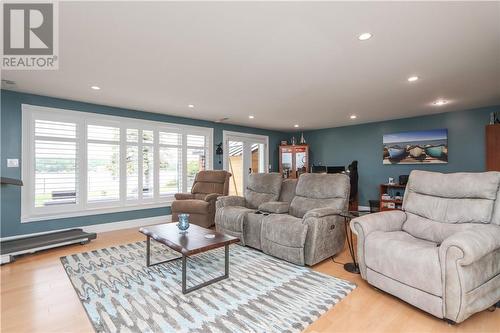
<point x="104" y="227"/>
<point x="363" y="208"/>
<point x="137" y="223"/>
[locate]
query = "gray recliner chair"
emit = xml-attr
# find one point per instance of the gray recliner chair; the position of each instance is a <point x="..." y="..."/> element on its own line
<point x="232" y="211"/>
<point x="312" y="229"/>
<point x="442" y="253"/>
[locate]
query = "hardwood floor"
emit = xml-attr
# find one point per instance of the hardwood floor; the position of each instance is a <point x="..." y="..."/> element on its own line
<point x="37" y="296"/>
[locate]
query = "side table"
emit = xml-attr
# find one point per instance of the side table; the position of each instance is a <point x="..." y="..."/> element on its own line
<point x="351" y="267"/>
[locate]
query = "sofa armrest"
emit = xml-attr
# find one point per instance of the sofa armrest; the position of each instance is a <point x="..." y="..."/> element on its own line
<point x="322" y="212"/>
<point x="275" y="207"/>
<point x="184" y="196"/>
<point x="472" y="244"/>
<point x="384" y="221"/>
<point x="230" y="200"/>
<point x="212" y="196"/>
<point x="364" y="225"/>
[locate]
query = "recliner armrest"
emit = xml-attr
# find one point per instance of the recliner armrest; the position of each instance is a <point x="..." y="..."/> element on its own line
<point x="473" y="243"/>
<point x="212" y="196"/>
<point x="183" y="196"/>
<point x="230" y="200"/>
<point x="384" y="221"/>
<point x="322" y="212"/>
<point x="275" y="207"/>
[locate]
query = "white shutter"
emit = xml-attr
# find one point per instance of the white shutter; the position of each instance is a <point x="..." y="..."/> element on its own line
<point x="78" y="163"/>
<point x="56" y="163"/>
<point x="103" y="163"/>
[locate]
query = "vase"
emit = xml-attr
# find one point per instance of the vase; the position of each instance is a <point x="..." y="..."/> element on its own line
<point x="183" y="224"/>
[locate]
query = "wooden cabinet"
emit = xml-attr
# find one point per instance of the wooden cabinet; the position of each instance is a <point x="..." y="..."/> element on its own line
<point x="493" y="147"/>
<point x="395" y="201"/>
<point x="294" y="160"/>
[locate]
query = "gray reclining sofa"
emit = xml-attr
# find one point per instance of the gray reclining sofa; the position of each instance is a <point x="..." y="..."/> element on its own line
<point x="295" y="220"/>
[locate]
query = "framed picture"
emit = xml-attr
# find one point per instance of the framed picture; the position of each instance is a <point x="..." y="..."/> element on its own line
<point x="417" y="147"/>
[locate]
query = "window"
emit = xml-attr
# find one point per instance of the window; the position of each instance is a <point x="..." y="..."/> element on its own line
<point x="77" y="163"/>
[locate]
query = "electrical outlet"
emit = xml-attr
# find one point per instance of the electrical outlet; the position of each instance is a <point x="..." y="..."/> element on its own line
<point x="12" y="163"/>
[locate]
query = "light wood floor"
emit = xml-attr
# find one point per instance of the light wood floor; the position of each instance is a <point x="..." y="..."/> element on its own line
<point x="36" y="296"/>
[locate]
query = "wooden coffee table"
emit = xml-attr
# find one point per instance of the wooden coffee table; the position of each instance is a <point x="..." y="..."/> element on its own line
<point x="187" y="244"/>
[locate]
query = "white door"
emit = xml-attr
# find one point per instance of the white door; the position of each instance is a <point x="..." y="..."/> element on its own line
<point x="244" y="154"/>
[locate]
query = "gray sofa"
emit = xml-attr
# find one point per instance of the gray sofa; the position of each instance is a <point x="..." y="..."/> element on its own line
<point x="312" y="230"/>
<point x="442" y="253"/>
<point x="296" y="221"/>
<point x="232" y="212"/>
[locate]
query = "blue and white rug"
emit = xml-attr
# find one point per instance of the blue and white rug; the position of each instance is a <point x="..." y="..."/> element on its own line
<point x="262" y="294"/>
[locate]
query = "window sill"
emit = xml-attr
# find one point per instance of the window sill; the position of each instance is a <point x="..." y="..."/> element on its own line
<point x="93" y="211"/>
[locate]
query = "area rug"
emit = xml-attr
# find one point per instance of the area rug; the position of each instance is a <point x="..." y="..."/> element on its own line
<point x="262" y="294"/>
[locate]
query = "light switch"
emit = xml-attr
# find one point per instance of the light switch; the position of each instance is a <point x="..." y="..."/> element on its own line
<point x="12" y="163"/>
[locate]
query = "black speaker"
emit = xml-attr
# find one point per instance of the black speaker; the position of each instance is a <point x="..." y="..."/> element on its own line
<point x="403" y="179"/>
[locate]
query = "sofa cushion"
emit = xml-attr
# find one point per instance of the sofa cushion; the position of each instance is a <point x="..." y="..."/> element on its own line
<point x="288" y="190"/>
<point x="433" y="231"/>
<point x="284" y="229"/>
<point x="262" y="187"/>
<point x="252" y="230"/>
<point x="276" y="207"/>
<point x="402" y="257"/>
<point x="452" y="198"/>
<point x="318" y="191"/>
<point x="190" y="206"/>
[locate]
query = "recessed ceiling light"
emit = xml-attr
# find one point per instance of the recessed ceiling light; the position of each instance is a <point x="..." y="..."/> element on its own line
<point x="191" y="106"/>
<point x="251" y="117"/>
<point x="296" y="125"/>
<point x="365" y="36"/>
<point x="353" y="116"/>
<point x="413" y="78"/>
<point x="95" y="88"/>
<point x="440" y="102"/>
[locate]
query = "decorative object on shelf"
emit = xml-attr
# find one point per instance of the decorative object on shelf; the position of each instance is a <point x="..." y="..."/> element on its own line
<point x="403" y="179"/>
<point x="183" y="223"/>
<point x="391" y="196"/>
<point x="416" y="147"/>
<point x="293" y="160"/>
<point x="391" y="181"/>
<point x="293" y="141"/>
<point x="219" y="151"/>
<point x="284" y="142"/>
<point x="302" y="140"/>
<point x="494" y="118"/>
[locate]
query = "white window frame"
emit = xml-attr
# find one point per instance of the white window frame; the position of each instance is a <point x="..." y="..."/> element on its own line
<point x="82" y="208"/>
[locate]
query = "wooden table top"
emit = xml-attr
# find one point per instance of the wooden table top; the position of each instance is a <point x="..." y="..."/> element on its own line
<point x="189" y="243"/>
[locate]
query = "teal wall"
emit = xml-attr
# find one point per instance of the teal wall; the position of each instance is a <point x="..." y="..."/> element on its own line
<point x="11" y="148"/>
<point x="333" y="146"/>
<point x="341" y="145"/>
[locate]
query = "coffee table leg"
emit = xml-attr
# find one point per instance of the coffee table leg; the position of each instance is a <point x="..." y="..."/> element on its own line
<point x="184" y="273"/>
<point x="186" y="290"/>
<point x="148" y="254"/>
<point x="148" y="251"/>
<point x="226" y="259"/>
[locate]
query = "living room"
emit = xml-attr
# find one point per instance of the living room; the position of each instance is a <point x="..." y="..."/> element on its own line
<point x="250" y="166"/>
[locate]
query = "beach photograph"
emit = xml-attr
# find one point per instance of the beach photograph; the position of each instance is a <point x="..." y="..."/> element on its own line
<point x="416" y="147"/>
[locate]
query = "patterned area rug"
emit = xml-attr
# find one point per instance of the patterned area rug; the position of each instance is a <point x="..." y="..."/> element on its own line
<point x="262" y="294"/>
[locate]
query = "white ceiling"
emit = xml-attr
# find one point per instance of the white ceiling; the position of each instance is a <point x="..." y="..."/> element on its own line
<point x="285" y="63"/>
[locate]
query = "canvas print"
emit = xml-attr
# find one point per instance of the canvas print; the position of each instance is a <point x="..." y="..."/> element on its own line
<point x="418" y="147"/>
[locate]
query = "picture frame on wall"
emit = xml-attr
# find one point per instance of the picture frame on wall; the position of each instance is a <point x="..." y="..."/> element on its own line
<point x="416" y="147"/>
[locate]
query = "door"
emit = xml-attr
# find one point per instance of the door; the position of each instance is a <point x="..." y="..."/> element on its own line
<point x="244" y="154"/>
